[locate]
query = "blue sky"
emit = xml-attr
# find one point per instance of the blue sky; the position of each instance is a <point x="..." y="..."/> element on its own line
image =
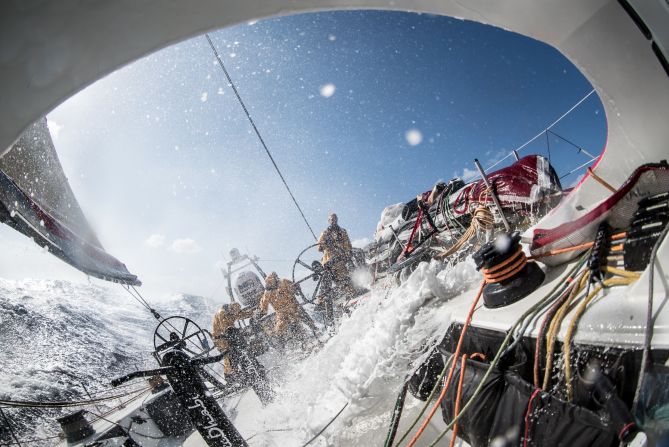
<point x="361" y="109"/>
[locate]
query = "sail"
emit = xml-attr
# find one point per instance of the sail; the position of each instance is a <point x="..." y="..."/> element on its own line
<point x="36" y="199"/>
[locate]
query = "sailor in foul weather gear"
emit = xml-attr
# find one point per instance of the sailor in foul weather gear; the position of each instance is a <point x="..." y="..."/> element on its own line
<point x="337" y="257"/>
<point x="225" y="319"/>
<point x="280" y="294"/>
<point x="239" y="365"/>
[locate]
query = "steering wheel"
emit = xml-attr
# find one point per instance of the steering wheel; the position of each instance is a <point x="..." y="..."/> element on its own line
<point x="315" y="273"/>
<point x="182" y="333"/>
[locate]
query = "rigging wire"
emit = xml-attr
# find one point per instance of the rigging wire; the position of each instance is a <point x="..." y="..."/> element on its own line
<point x="580" y="149"/>
<point x="262" y="141"/>
<point x="9" y="426"/>
<point x="141" y="300"/>
<point x="578" y="168"/>
<point x="543" y="131"/>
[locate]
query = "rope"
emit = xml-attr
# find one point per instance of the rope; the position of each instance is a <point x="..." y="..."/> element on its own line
<point x="409" y="246"/>
<point x="551" y="296"/>
<point x="126" y="430"/>
<point x="557" y="251"/>
<point x="446" y="213"/>
<point x="540" y="336"/>
<point x="140" y="299"/>
<point x="397" y="415"/>
<point x="507" y="268"/>
<point x="555" y="325"/>
<point x="64" y="404"/>
<point x="255" y="129"/>
<point x="601" y="181"/>
<point x="648" y="333"/>
<point x="621" y="272"/>
<point x="326" y="426"/>
<point x="528" y="413"/>
<point x="566" y="346"/>
<point x="28" y="441"/>
<point x="427" y="401"/>
<point x="482" y="219"/>
<point x="491" y="367"/>
<point x="458" y="397"/>
<point x="447" y="383"/>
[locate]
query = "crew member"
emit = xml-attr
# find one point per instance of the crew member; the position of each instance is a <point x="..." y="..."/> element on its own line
<point x="224" y="325"/>
<point x="280" y="294"/>
<point x="337" y="255"/>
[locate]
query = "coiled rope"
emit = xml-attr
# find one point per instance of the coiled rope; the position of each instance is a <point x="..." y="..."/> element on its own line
<point x="482" y="219"/>
<point x="507" y="268"/>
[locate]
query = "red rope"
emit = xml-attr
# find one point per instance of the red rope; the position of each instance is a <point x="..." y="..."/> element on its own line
<point x="527" y="415"/>
<point x="419" y="219"/>
<point x="542" y="328"/>
<point x="409" y="247"/>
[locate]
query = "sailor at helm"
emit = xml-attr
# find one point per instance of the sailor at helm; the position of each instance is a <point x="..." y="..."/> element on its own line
<point x="337" y="256"/>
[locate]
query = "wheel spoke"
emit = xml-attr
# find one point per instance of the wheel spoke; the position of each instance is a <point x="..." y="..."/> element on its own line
<point x="305" y="278"/>
<point x="161" y="337"/>
<point x="183" y="334"/>
<point x="318" y="286"/>
<point x="191" y="336"/>
<point x="305" y="265"/>
<point x="192" y="352"/>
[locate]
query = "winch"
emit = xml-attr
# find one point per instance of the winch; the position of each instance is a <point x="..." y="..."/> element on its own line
<point x="509" y="276"/>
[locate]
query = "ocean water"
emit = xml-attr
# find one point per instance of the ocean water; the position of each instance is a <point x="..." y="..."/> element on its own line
<point x="57" y="335"/>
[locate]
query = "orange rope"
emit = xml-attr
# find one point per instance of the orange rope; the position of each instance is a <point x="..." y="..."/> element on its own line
<point x="447" y="382"/>
<point x="507" y="268"/>
<point x="601" y="181"/>
<point x="458" y="398"/>
<point x="558" y="251"/>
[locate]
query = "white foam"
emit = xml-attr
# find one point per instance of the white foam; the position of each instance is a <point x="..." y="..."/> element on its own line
<point x="364" y="363"/>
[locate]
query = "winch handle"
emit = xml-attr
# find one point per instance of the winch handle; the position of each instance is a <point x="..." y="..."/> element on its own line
<point x="133" y="375"/>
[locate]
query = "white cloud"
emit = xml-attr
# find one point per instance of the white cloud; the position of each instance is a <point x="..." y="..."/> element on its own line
<point x="332" y="37"/>
<point x="203" y="97"/>
<point x="186" y="245"/>
<point x="414" y="137"/>
<point x="361" y="243"/>
<point x="54" y="128"/>
<point x="327" y="90"/>
<point x="469" y="174"/>
<point x="155" y="241"/>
